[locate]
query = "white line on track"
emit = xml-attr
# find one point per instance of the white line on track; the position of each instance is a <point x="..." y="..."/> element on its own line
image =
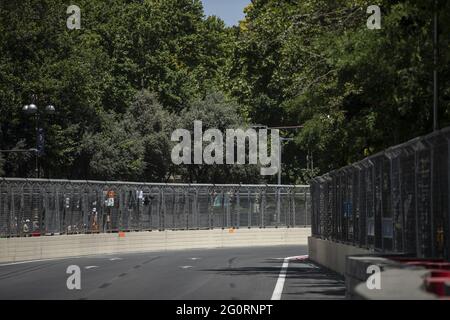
<point x="90" y="267"/>
<point x="278" y="291"/>
<point x="303" y="257"/>
<point x="31" y="261"/>
<point x="54" y="259"/>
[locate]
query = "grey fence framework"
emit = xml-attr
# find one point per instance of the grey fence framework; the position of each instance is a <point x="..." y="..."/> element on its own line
<point x="37" y="206"/>
<point x="395" y="201"/>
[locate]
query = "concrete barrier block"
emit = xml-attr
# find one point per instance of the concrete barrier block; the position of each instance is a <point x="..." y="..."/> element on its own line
<point x="332" y="255"/>
<point x="397" y="284"/>
<point x="20" y="249"/>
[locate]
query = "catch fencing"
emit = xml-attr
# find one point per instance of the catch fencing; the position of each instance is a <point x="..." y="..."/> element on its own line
<point x="395" y="201"/>
<point x="40" y="207"/>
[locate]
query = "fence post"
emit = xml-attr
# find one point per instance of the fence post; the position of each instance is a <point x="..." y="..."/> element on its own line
<point x="227" y="204"/>
<point x="416" y="169"/>
<point x="122" y="198"/>
<point x="262" y="207"/>
<point x="162" y="207"/>
<point x="11" y="209"/>
<point x="382" y="202"/>
<point x="447" y="236"/>
<point x="238" y="206"/>
<point x="306" y="208"/>
<point x="5" y="208"/>
<point x="353" y="205"/>
<point x="186" y="208"/>
<point x="249" y="212"/>
<point x="293" y="207"/>
<point x="433" y="249"/>
<point x="210" y="207"/>
<point x="278" y="205"/>
<point x="360" y="220"/>
<point x="197" y="208"/>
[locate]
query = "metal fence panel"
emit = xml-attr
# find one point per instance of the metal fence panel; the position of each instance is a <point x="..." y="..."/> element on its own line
<point x="395" y="201"/>
<point x="39" y="206"/>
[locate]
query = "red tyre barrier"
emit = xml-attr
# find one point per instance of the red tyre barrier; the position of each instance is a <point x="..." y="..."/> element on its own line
<point x="430" y="265"/>
<point x="439" y="286"/>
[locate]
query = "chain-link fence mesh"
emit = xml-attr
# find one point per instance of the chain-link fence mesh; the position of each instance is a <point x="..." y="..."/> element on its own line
<point x="395" y="201"/>
<point x="37" y="206"/>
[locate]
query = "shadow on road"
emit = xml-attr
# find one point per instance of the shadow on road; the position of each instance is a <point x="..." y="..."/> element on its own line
<point x="304" y="279"/>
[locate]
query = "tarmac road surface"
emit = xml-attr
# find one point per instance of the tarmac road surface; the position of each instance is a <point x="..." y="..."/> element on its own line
<point x="213" y="274"/>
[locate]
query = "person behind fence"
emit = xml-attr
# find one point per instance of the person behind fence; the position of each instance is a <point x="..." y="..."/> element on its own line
<point x="94" y="217"/>
<point x="256" y="204"/>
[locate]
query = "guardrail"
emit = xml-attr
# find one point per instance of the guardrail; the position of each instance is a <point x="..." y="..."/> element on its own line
<point x="395" y="201"/>
<point x="40" y="206"/>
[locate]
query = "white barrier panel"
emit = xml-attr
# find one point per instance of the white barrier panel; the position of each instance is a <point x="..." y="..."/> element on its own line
<point x="35" y="248"/>
<point x="332" y="255"/>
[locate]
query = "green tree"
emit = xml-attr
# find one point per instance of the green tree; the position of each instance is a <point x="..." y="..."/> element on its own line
<point x="218" y="112"/>
<point x="154" y="125"/>
<point x="123" y="47"/>
<point x="117" y="151"/>
<point x="2" y="162"/>
<point x="356" y="91"/>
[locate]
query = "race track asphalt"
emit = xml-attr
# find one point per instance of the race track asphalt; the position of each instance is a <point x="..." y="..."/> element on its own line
<point x="212" y="274"/>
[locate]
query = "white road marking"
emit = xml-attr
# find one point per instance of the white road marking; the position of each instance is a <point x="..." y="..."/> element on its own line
<point x="195" y="259"/>
<point x="278" y="291"/>
<point x="185" y="267"/>
<point x="38" y="260"/>
<point x="303" y="257"/>
<point x="51" y="259"/>
<point x="90" y="267"/>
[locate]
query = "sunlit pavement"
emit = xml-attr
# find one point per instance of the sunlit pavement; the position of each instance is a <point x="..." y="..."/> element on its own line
<point x="229" y="274"/>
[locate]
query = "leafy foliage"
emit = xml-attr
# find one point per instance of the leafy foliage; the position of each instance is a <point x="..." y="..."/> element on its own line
<point x="139" y="69"/>
<point x="218" y="112"/>
<point x="355" y="91"/>
<point x="92" y="76"/>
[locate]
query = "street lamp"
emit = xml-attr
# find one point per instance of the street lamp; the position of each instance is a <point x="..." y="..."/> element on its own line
<point x="435" y="64"/>
<point x="262" y="126"/>
<point x="32" y="109"/>
<point x="279" y="156"/>
<point x="281" y="139"/>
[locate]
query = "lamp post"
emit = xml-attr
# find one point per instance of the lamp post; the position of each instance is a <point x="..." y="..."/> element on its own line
<point x="32" y="109"/>
<point x="435" y="65"/>
<point x="261" y="126"/>
<point x="279" y="156"/>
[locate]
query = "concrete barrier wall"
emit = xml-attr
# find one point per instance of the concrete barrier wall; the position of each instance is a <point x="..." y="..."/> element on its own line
<point x="332" y="255"/>
<point x="34" y="248"/>
<point x="397" y="281"/>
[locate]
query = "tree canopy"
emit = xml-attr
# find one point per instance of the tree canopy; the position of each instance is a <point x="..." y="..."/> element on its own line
<point x="138" y="69"/>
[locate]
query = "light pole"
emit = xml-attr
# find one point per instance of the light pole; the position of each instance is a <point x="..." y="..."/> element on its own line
<point x="261" y="126"/>
<point x="32" y="109"/>
<point x="279" y="156"/>
<point x="279" y="161"/>
<point x="281" y="139"/>
<point x="435" y="63"/>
